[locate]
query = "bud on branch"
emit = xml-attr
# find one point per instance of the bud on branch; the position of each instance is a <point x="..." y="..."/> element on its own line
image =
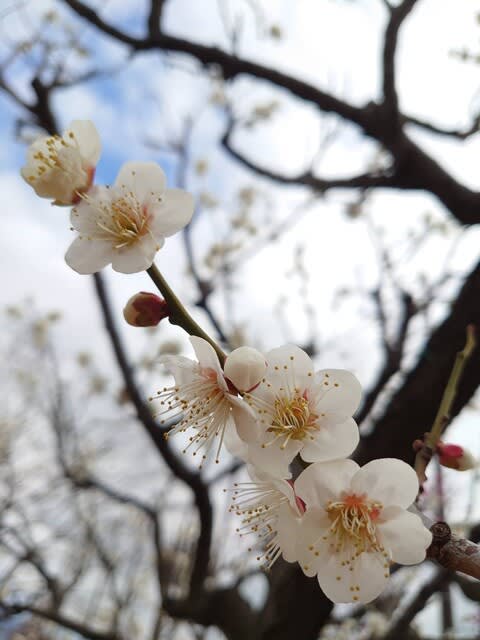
<point x="145" y="309"/>
<point x="454" y="456"/>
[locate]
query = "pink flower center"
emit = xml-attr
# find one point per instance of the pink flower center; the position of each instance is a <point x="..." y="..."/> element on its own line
<point x="209" y="374"/>
<point x="353" y="520"/>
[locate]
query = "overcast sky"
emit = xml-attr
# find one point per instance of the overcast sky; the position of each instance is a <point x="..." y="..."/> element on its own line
<point x="334" y="45"/>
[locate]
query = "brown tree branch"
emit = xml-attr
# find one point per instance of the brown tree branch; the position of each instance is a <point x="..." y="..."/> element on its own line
<point x="231" y="65"/>
<point x="401" y="624"/>
<point x="57" y="618"/>
<point x="392" y="350"/>
<point x="306" y="178"/>
<point x="295" y="607"/>
<point x="155" y="17"/>
<point x="397" y="17"/>
<point x="30" y="555"/>
<point x="453" y="133"/>
<point x="192" y="479"/>
<point x="453" y="553"/>
<point x="413" y="407"/>
<point x="205" y="287"/>
<point x="414" y="169"/>
<point x="161" y="573"/>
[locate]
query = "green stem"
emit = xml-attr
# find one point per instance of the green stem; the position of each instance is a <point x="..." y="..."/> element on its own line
<point x="444" y="411"/>
<point x="178" y="314"/>
<point x="451" y="389"/>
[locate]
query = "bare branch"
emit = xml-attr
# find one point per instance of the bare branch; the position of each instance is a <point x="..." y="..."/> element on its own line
<point x="453" y="553"/>
<point x="392" y="350"/>
<point x="232" y="66"/>
<point x="31" y="556"/>
<point x="307" y="179"/>
<point x="397" y="16"/>
<point x="57" y="618"/>
<point x="190" y="478"/>
<point x="410" y="411"/>
<point x="91" y="16"/>
<point x="155" y="17"/>
<point x="400" y="626"/>
<point x="414" y="169"/>
<point x="453" y="133"/>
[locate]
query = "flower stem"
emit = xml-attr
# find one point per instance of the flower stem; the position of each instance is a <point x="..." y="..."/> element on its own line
<point x="178" y="314"/>
<point x="444" y="411"/>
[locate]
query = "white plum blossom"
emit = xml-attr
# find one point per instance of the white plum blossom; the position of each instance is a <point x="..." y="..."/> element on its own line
<point x="295" y="410"/>
<point x="269" y="508"/>
<point x="127" y="224"/>
<point x="356" y="523"/>
<point x="62" y="168"/>
<point x="202" y="399"/>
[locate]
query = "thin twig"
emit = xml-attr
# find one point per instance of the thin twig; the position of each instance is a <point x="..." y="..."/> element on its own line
<point x="443" y="416"/>
<point x="178" y="314"/>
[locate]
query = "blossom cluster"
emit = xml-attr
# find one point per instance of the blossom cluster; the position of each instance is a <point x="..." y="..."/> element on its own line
<point x="293" y="426"/>
<point x="124" y="224"/>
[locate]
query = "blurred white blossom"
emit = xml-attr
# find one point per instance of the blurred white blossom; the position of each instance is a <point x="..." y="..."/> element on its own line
<point x="62" y="168"/>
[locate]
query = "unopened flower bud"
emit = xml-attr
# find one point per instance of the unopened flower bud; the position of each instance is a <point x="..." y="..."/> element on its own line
<point x="245" y="367"/>
<point x="145" y="310"/>
<point x="456" y="457"/>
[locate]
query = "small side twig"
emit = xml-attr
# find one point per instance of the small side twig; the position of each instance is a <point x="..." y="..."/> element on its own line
<point x="442" y="419"/>
<point x="178" y="314"/>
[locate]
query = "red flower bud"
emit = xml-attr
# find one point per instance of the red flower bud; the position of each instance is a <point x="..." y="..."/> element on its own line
<point x="145" y="310"/>
<point x="454" y="456"/>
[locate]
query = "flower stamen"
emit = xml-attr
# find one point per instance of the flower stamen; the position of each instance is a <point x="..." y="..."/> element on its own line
<point x="200" y="405"/>
<point x="257" y="503"/>
<point x="293" y="418"/>
<point x="353" y="521"/>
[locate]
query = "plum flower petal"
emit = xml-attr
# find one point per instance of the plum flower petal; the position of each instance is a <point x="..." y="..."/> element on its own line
<point x="87" y="139"/>
<point x="246" y="426"/>
<point x="396" y="531"/>
<point x="61" y="168"/>
<point x="364" y="583"/>
<point x="137" y="257"/>
<point x="275" y="461"/>
<point x="88" y="256"/>
<point x="147" y="182"/>
<point x="208" y="358"/>
<point x="173" y="213"/>
<point x="232" y="442"/>
<point x="388" y="480"/>
<point x="332" y="441"/>
<point x="307" y="554"/>
<point x="355" y="525"/>
<point x="319" y="483"/>
<point x="341" y="392"/>
<point x="133" y="218"/>
<point x="290" y="363"/>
